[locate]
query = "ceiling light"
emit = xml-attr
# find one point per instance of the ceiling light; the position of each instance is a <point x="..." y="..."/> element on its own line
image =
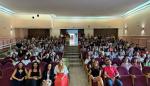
<point x="138" y="8"/>
<point x="6" y="10"/>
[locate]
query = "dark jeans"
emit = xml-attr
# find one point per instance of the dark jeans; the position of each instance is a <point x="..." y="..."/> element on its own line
<point x="117" y="82"/>
<point x="32" y="82"/>
<point x="17" y="83"/>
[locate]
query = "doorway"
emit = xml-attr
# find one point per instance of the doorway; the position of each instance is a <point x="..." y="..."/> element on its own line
<point x="73" y="37"/>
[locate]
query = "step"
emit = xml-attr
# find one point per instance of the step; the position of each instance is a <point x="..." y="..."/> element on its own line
<point x="71" y="56"/>
<point x="75" y="64"/>
<point x="74" y="60"/>
<point x="73" y="53"/>
<point x="71" y="49"/>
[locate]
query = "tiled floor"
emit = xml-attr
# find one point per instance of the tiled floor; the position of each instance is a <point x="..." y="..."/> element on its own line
<point x="78" y="76"/>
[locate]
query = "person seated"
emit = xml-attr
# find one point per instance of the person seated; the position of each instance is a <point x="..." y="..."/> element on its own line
<point x="34" y="75"/>
<point x="90" y="63"/>
<point x="95" y="54"/>
<point x="95" y="74"/>
<point x="48" y="76"/>
<point x="13" y="52"/>
<point x="135" y="63"/>
<point x="26" y="60"/>
<point x="61" y="72"/>
<point x="111" y="75"/>
<point x="87" y="60"/>
<point x="126" y="64"/>
<point x="15" y="61"/>
<point x="146" y="62"/>
<point x="19" y="75"/>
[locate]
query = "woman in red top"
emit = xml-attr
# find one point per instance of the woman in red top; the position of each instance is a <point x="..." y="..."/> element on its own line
<point x="111" y="74"/>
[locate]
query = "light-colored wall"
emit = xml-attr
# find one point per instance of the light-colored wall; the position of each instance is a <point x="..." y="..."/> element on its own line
<point x="5" y="27"/>
<point x="26" y="21"/>
<point x="22" y="22"/>
<point x="135" y="22"/>
<point x="87" y="24"/>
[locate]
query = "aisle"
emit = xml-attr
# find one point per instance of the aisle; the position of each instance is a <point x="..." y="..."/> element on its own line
<point x="78" y="76"/>
<point x="77" y="73"/>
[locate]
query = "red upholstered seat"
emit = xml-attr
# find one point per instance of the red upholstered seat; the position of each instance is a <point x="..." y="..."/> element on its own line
<point x="140" y="79"/>
<point x="146" y="70"/>
<point x="125" y="77"/>
<point x="8" y="65"/>
<point x="6" y="77"/>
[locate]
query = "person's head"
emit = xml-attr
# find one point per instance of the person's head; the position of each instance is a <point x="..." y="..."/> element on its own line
<point x="20" y="65"/>
<point x="96" y="63"/>
<point x="137" y="53"/>
<point x="61" y="62"/>
<point x="146" y="60"/>
<point x="108" y="62"/>
<point x="125" y="60"/>
<point x="92" y="59"/>
<point x="26" y="57"/>
<point x="48" y="67"/>
<point x="35" y="65"/>
<point x="134" y="60"/>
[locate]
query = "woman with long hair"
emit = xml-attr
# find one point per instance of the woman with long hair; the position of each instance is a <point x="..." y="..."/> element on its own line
<point x="35" y="75"/>
<point x="48" y="76"/>
<point x="125" y="63"/>
<point x="95" y="74"/>
<point x="146" y="62"/>
<point x="19" y="75"/>
<point x="61" y="72"/>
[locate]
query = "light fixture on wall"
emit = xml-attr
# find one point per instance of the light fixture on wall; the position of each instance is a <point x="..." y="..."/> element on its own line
<point x="11" y="31"/>
<point x="143" y="29"/>
<point x="125" y="28"/>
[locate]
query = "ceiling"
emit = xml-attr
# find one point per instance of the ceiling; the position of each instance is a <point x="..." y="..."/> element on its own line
<point x="72" y="7"/>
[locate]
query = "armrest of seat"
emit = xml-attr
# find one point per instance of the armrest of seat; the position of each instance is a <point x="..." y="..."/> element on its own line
<point x="1" y="75"/>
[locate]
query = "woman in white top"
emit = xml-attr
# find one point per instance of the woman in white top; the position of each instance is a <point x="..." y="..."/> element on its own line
<point x="61" y="74"/>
